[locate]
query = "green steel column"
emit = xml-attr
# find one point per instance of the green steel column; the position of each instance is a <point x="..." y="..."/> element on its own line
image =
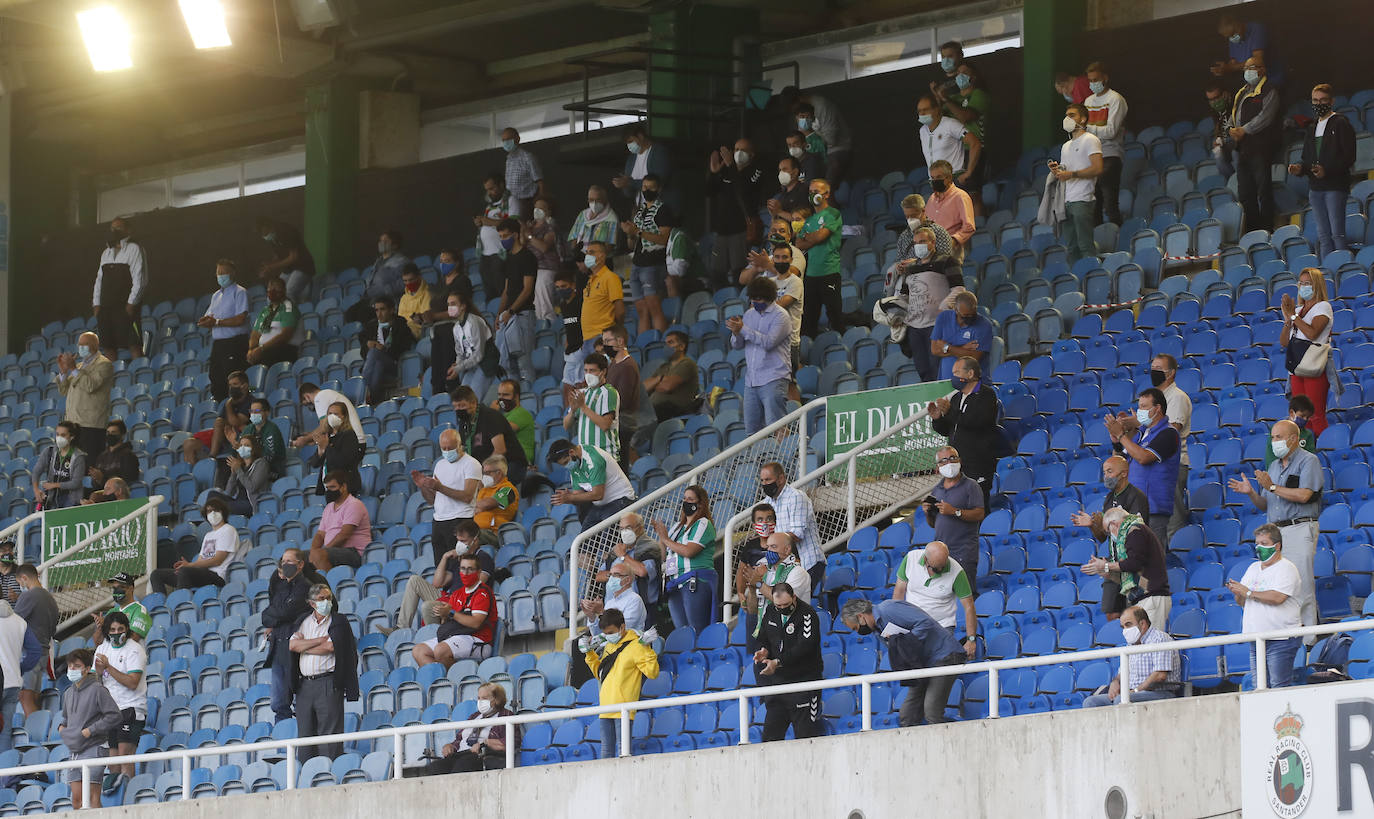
<point x="331" y="172"/>
<point x="701" y="29"/>
<point x="1049" y="42"/>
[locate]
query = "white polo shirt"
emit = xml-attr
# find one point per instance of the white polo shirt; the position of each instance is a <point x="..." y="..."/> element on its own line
<point x="939" y="595"/>
<point x="455" y="476"/>
<point x="945" y="142"/>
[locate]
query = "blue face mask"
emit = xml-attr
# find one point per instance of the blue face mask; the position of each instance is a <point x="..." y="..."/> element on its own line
<point x="446" y="268"/>
<point x="963" y="81"/>
<point x="612" y="639"/>
<point x="925" y="119"/>
<point x="1234" y="38"/>
<point x="1068" y="97"/>
<point x="450" y="455"/>
<point x="1097" y="86"/>
<point x="958" y="383"/>
<point x="947" y="64"/>
<point x="1143" y="417"/>
<point x="224" y="281"/>
<point x="1251" y="76"/>
<point x="255" y="418"/>
<point x="760" y="306"/>
<point x="508" y="243"/>
<point x="802" y="122"/>
<point x="1306" y="291"/>
<point x="771" y="558"/>
<point x="82" y="351"/>
<point x="612" y="586"/>
<point x="590" y="261"/>
<point x="633" y="147"/>
<point x="508" y="145"/>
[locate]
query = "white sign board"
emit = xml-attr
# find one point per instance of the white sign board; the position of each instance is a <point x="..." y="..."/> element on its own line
<point x="1308" y="752"/>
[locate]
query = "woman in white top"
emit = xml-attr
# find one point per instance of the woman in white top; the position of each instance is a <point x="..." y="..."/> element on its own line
<point x="1307" y="322"/>
<point x="212" y="564"/>
<point x="471" y="338"/>
<point x="120" y="662"/>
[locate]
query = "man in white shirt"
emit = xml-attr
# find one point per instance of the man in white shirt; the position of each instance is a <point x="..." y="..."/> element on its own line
<point x="946" y="138"/>
<point x="326" y="673"/>
<point x="797" y="517"/>
<point x="452" y="489"/>
<point x="1107" y="122"/>
<point x="119" y="284"/>
<point x="319" y="400"/>
<point x="935" y="582"/>
<point x="621" y="595"/>
<point x="1269" y="592"/>
<point x="1080" y="162"/>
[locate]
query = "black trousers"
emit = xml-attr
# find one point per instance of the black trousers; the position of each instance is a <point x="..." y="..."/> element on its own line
<point x="822" y="291"/>
<point x="1254" y="190"/>
<point x="1108" y="191"/>
<point x="803" y="716"/>
<point x="226" y="356"/>
<point x="319" y="712"/>
<point x="441" y="357"/>
<point x="443" y="539"/>
<point x="462" y="762"/>
<point x="360" y="310"/>
<point x="91" y="440"/>
<point x="184" y="578"/>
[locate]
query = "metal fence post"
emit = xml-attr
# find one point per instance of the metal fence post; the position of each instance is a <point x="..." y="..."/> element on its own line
<point x="866" y="703"/>
<point x="398" y="753"/>
<point x="624" y="728"/>
<point x="744" y="720"/>
<point x="510" y="744"/>
<point x="290" y="767"/>
<point x="1261" y="665"/>
<point x="186" y="777"/>
<point x="994" y="693"/>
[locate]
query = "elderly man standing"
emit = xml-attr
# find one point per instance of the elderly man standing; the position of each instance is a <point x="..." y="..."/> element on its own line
<point x="325" y="671"/>
<point x="1257" y="130"/>
<point x="1150" y="675"/>
<point x="1269" y="592"/>
<point x="119" y="284"/>
<point x="1120" y="495"/>
<point x="931" y="580"/>
<point x="452" y="489"/>
<point x="1136" y="562"/>
<point x="86" y="384"/>
<point x="955" y="511"/>
<point x="914" y="640"/>
<point x="227" y="320"/>
<point x="642" y="554"/>
<point x="914" y="209"/>
<point x="1290" y="494"/>
<point x="622" y="595"/>
<point x="950" y="206"/>
<point x="524" y="177"/>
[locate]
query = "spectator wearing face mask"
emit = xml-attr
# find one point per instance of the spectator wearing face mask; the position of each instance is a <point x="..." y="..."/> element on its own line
<point x="594" y="412"/>
<point x="116" y="458"/>
<point x="1308" y="321"/>
<point x="452" y="489"/>
<point x="821" y="116"/>
<point x="319" y="401"/>
<point x="542" y="238"/>
<point x="1244" y="40"/>
<point x="121" y="588"/>
<point x="621" y="659"/>
<point x="60" y="469"/>
<point x="1257" y="130"/>
<point x="288" y="592"/>
<point x="761" y="261"/>
<point x="1107" y="121"/>
<point x="233" y="417"/>
<point x="914" y="640"/>
<point x="1271" y="592"/>
<point x="430" y="597"/>
<point x="689" y="548"/>
<point x="567" y="296"/>
<point x="962" y="333"/>
<point x="753" y="551"/>
<point x="477" y="749"/>
<point x="89" y="714"/>
<point x="648" y="231"/>
<point x="520" y="420"/>
<point x="466" y="618"/>
<point x="920" y="287"/>
<point x="1080" y="162"/>
<point x="796" y="516"/>
<point x="820" y="238"/>
<point x="1136" y="562"/>
<point x="227" y="320"/>
<point x="686" y="272"/>
<point x="273" y="337"/>
<point x="345" y="527"/>
<point x="1148" y="676"/>
<point x="337" y="450"/>
<point x="38" y="607"/>
<point x="498" y="204"/>
<point x="646" y="157"/>
<point x="1072" y="87"/>
<point x="476" y="359"/>
<point x="271" y="444"/>
<point x="415" y="301"/>
<point x="120" y="282"/>
<point x="1153" y="450"/>
<point x="9" y="578"/>
<point x="931" y="580"/>
<point x="119" y="664"/>
<point x="524" y="177"/>
<point x="514" y="327"/>
<point x="785" y="274"/>
<point x="1223" y="147"/>
<point x="971" y="105"/>
<point x="324" y="672"/>
<point x="808" y="151"/>
<point x="951" y="57"/>
<point x="1328" y="154"/>
<point x="969" y="418"/>
<point x="383" y="277"/>
<point x="673" y="386"/>
<point x="600" y="488"/>
<point x="383" y="340"/>
<point x="211" y="566"/>
<point x="603" y="298"/>
<point x="635" y="420"/>
<point x="950" y="207"/>
<point x="642" y="555"/>
<point x="115" y="489"/>
<point x="291" y="260"/>
<point x="621" y="595"/>
<point x="735" y="184"/>
<point x="598" y="223"/>
<point x="86" y="383"/>
<point x="765" y="335"/>
<point x="946" y="139"/>
<point x="779" y="565"/>
<point x="484" y="432"/>
<point x="498" y="501"/>
<point x="789" y="639"/>
<point x="452" y="279"/>
<point x="955" y="510"/>
<point x="250" y="477"/>
<point x="914" y="209"/>
<point x="1120" y="495"/>
<point x="792" y="191"/>
<point x="1300" y="413"/>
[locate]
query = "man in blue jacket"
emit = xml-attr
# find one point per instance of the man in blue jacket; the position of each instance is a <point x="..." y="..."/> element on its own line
<point x="1154" y="457"/>
<point x="914" y="640"/>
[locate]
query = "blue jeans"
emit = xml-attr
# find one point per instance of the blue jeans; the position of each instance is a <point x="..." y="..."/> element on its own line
<point x="1099" y="700"/>
<point x="379" y="369"/>
<point x="647" y="280"/>
<point x="694" y="608"/>
<point x="1279" y="656"/>
<point x="281" y="679"/>
<point x="572" y="363"/>
<point x="478" y="380"/>
<point x="515" y="342"/>
<point x="1328" y="209"/>
<point x="764" y="404"/>
<point x="297" y="287"/>
<point x="610" y="737"/>
<point x="1076" y="231"/>
<point x="918" y="347"/>
<point x="9" y="700"/>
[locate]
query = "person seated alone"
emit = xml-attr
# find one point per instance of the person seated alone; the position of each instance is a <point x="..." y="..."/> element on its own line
<point x="115" y="489"/>
<point x="477" y="749"/>
<point x="212" y="565"/>
<point x="117" y="459"/>
<point x="233" y="417"/>
<point x="345" y="529"/>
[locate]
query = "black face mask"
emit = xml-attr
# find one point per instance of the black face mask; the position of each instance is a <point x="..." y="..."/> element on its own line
<point x="609" y="351"/>
<point x="463" y="416"/>
<point x="237" y="392"/>
<point x="772" y="489"/>
<point x="332" y="495"/>
<point x="289" y="570"/>
<point x="782" y="267"/>
<point x="788" y="610"/>
<point x="939" y="185"/>
<point x="648" y="195"/>
<point x="1157" y="377"/>
<point x="1321" y="109"/>
<point x="506" y="404"/>
<point x="563" y="293"/>
<point x="863" y="630"/>
<point x="113" y="440"/>
<point x="689" y="508"/>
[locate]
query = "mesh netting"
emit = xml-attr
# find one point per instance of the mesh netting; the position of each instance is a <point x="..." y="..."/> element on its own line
<point x="75" y="577"/>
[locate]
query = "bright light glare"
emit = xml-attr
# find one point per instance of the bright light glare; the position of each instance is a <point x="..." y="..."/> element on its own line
<point x="107" y="38"/>
<point x="205" y="19"/>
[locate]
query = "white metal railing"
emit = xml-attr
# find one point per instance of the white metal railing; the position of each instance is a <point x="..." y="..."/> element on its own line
<point x="875" y="510"/>
<point x="743" y="695"/>
<point x="595" y="542"/>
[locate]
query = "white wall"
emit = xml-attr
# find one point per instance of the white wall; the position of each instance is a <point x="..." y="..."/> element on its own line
<point x="1172" y="759"/>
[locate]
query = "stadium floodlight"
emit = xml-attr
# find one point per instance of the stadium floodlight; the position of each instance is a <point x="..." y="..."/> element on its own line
<point x="205" y="19"/>
<point x="106" y="35"/>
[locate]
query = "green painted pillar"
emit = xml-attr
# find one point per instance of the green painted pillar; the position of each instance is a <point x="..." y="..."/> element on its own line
<point x="699" y="29"/>
<point x="1049" y="43"/>
<point x="331" y="172"/>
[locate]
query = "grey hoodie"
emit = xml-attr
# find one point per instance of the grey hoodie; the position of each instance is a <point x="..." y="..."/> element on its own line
<point x="87" y="704"/>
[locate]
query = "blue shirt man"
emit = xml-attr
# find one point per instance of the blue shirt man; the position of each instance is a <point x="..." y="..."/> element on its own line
<point x="962" y="332"/>
<point x="227" y="303"/>
<point x="914" y="640"/>
<point x="765" y="335"/>
<point x="1154" y="457"/>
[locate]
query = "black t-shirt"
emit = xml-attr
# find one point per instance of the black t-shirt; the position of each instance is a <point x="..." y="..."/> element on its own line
<point x="480" y="433"/>
<point x="793" y="200"/>
<point x="735" y="195"/>
<point x="241" y="406"/>
<point x="572" y="322"/>
<point x="514" y="269"/>
<point x="286" y="239"/>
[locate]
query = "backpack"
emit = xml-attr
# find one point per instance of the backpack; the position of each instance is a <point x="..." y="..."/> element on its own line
<point x="1329" y="666"/>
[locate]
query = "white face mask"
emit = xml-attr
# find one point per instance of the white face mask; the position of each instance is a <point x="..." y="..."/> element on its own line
<point x="593" y="380"/>
<point x="1142" y="417"/>
<point x="1132" y="635"/>
<point x="335" y="421"/>
<point x="913" y="223"/>
<point x="539" y="214"/>
<point x="1280" y="447"/>
<point x="921" y="250"/>
<point x="62" y="441"/>
<point x="596" y="207"/>
<point x="628" y="537"/>
<point x="488" y="481"/>
<point x="796" y="152"/>
<point x="1070" y="125"/>
<point x="742" y="158"/>
<point x="784" y="178"/>
<point x="949" y="470"/>
<point x="214" y="518"/>
<point x="484" y="706"/>
<point x="83" y="351"/>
